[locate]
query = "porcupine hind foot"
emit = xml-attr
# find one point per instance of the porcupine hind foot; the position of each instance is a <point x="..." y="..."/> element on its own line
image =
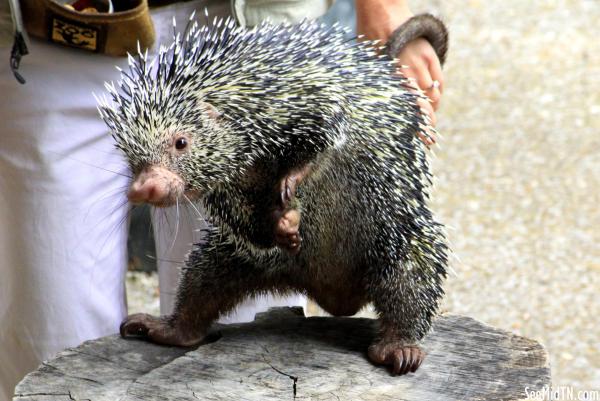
<point x="216" y="278"/>
<point x="400" y="356"/>
<point x="287" y="218"/>
<point x="158" y="330"/>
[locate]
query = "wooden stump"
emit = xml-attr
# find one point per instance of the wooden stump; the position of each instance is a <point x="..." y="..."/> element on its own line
<point x="282" y="355"/>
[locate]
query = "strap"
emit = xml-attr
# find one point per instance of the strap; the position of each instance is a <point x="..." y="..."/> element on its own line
<point x="19" y="48"/>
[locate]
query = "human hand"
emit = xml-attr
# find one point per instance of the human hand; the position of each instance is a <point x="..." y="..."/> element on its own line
<point x="424" y="69"/>
<point x="377" y="20"/>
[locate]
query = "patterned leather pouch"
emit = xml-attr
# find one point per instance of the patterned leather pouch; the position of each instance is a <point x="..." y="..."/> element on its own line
<point x="113" y="33"/>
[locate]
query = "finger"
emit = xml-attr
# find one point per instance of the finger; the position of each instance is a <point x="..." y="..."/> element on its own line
<point x="405" y="70"/>
<point x="436" y="75"/>
<point x="427" y="85"/>
<point x="435" y="70"/>
<point x="427" y="109"/>
<point x="417" y="79"/>
<point x="422" y="76"/>
<point x="434" y="94"/>
<point x="425" y="106"/>
<point x="428" y="137"/>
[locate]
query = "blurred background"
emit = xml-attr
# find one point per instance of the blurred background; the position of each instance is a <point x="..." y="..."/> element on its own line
<point x="517" y="175"/>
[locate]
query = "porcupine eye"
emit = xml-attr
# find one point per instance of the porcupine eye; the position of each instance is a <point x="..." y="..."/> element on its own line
<point x="181" y="143"/>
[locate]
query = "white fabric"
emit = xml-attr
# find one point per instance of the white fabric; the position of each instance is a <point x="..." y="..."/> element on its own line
<point x="252" y="12"/>
<point x="62" y="238"/>
<point x="173" y="243"/>
<point x="62" y="229"/>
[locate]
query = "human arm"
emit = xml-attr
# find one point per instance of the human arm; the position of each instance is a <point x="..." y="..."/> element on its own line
<point x="377" y="20"/>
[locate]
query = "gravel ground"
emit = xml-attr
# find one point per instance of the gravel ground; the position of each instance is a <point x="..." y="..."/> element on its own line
<point x="518" y="172"/>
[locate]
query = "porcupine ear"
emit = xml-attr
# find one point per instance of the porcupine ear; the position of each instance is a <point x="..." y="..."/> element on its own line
<point x="211" y="110"/>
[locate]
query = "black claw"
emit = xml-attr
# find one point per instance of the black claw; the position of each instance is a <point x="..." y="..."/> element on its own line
<point x="416" y="360"/>
<point x="127" y="330"/>
<point x="420" y="361"/>
<point x="403" y="368"/>
<point x="283" y="194"/>
<point x="414" y="365"/>
<point x="133" y="327"/>
<point x="398" y="364"/>
<point x="409" y="366"/>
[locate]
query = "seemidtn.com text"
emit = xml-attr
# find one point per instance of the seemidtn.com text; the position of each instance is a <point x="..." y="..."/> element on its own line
<point x="561" y="393"/>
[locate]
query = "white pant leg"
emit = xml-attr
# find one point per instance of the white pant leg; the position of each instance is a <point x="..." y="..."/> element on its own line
<point x="174" y="241"/>
<point x="62" y="217"/>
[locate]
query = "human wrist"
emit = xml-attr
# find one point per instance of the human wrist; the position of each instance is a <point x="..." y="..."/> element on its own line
<point x="377" y="19"/>
<point x="402" y="11"/>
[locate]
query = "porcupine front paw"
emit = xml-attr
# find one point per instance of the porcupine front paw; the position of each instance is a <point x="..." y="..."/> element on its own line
<point x="157" y="330"/>
<point x="287" y="223"/>
<point x="401" y="357"/>
<point x="287" y="219"/>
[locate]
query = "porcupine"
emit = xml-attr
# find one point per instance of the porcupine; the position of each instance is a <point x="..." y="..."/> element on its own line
<point x="231" y="117"/>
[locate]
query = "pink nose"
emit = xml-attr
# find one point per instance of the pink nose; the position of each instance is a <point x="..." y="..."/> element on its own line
<point x="156" y="185"/>
<point x="147" y="191"/>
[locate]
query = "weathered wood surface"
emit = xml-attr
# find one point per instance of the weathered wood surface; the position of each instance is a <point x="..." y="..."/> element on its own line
<point x="283" y="355"/>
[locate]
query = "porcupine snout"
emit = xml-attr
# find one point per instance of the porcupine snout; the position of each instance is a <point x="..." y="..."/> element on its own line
<point x="157" y="186"/>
